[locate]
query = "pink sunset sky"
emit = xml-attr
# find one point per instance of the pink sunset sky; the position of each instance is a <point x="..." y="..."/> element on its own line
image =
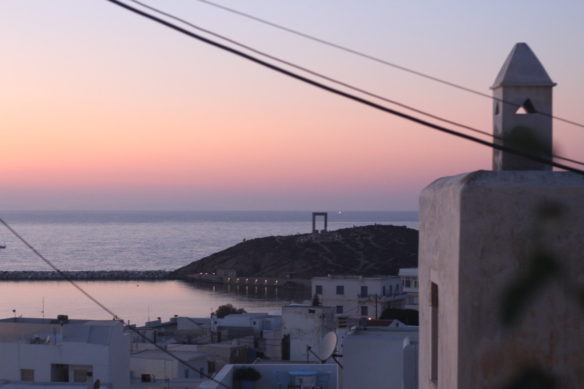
<point x="102" y="109"/>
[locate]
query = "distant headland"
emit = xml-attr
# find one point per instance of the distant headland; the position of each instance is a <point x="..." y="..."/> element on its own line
<point x="367" y="250"/>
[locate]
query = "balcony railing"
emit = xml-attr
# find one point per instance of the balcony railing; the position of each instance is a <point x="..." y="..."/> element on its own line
<point x="380" y="298"/>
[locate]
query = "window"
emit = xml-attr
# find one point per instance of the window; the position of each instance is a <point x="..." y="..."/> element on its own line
<point x="525" y="108"/>
<point x="390" y="290"/>
<point x="318" y="289"/>
<point x="364" y="291"/>
<point x="339" y="309"/>
<point x="383" y="290"/>
<point x="434" y="332"/>
<point x="59" y="372"/>
<point x="285" y="349"/>
<point x="364" y="310"/>
<point x="27" y="375"/>
<point x="408" y="283"/>
<point x="146" y="377"/>
<point x="340" y="289"/>
<point x="211" y="366"/>
<point x="81" y="375"/>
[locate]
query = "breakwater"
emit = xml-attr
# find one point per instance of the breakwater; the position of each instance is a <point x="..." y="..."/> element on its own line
<point x="101" y="275"/>
<point x="150" y="275"/>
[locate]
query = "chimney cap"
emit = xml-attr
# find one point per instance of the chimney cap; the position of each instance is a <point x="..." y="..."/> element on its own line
<point x="522" y="68"/>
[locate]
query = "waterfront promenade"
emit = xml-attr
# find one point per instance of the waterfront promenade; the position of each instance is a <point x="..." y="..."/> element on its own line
<point x="150" y="275"/>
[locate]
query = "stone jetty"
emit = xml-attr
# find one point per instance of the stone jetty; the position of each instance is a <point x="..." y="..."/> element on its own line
<point x="105" y="275"/>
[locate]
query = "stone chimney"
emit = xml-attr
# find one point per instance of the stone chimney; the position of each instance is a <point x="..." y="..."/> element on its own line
<point x="522" y="92"/>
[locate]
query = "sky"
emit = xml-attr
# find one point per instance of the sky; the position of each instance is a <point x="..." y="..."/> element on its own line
<point x="103" y="110"/>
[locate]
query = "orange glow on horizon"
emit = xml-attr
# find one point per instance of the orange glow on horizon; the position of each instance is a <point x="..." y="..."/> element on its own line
<point x="139" y="110"/>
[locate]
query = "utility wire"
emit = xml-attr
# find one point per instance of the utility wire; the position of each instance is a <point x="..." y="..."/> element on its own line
<point x="100" y="304"/>
<point x="379" y="60"/>
<point x="349" y="96"/>
<point x="336" y="81"/>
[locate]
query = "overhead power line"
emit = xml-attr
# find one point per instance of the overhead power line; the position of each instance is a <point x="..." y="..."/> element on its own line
<point x="378" y="60"/>
<point x="336" y="81"/>
<point x="349" y="96"/>
<point x="67" y="278"/>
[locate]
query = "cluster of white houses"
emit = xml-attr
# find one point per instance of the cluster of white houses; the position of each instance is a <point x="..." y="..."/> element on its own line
<point x="70" y="353"/>
<point x="65" y="353"/>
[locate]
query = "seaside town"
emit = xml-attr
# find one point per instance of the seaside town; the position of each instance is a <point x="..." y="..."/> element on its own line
<point x="321" y="344"/>
<point x="486" y="294"/>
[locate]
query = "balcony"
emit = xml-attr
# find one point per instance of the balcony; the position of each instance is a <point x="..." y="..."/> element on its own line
<point x="281" y="376"/>
<point x="380" y="298"/>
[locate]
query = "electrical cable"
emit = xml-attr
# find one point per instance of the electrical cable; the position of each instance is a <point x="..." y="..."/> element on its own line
<point x="349" y="96"/>
<point x="379" y="60"/>
<point x="101" y="305"/>
<point x="336" y="81"/>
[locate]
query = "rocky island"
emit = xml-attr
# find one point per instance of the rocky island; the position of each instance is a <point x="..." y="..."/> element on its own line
<point x="367" y="250"/>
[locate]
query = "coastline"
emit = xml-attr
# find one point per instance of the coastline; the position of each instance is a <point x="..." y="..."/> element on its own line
<point x="151" y="275"/>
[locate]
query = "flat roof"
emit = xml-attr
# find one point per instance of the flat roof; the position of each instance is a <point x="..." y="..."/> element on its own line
<point x="353" y="277"/>
<point x="38" y="320"/>
<point x="158" y="354"/>
<point x="408" y="271"/>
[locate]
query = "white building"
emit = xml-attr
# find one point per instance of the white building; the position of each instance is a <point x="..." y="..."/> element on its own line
<point x="179" y="329"/>
<point x="306" y="326"/>
<point x="375" y="357"/>
<point x="266" y="329"/>
<point x="409" y="278"/>
<point x="221" y="354"/>
<point x="157" y="369"/>
<point x="257" y="321"/>
<point x="357" y="296"/>
<point x="51" y="352"/>
<point x="381" y="358"/>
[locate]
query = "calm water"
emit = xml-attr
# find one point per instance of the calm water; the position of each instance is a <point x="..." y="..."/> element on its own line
<point x="154" y="240"/>
<point x="134" y="301"/>
<point x="146" y="241"/>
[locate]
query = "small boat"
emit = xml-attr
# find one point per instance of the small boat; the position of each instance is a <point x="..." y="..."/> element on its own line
<point x="2" y="245"/>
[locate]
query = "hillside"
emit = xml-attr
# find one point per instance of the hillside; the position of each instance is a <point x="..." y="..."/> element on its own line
<point x="368" y="250"/>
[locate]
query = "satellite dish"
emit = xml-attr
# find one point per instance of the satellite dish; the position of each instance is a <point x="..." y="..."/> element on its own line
<point x="328" y="345"/>
<point x="328" y="348"/>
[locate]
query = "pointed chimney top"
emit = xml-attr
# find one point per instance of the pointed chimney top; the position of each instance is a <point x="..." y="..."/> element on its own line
<point x="522" y="68"/>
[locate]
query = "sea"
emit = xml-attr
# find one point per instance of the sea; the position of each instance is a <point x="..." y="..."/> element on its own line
<point x="148" y="240"/>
